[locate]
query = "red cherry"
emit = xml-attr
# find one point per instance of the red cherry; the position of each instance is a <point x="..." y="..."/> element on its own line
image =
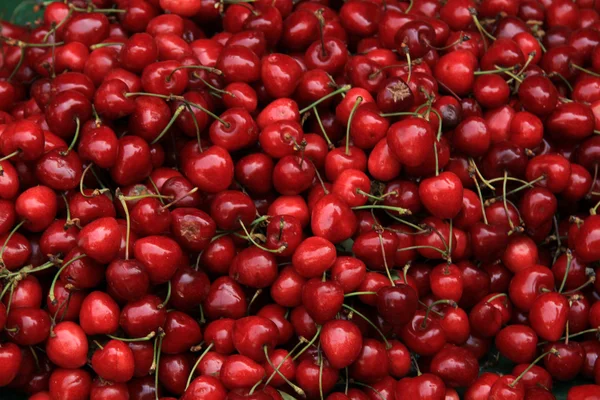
<point x="114" y="362"/>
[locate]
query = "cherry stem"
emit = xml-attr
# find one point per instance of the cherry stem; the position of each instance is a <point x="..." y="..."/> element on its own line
<point x="257" y="293"/>
<point x="504" y="202"/>
<point x="451" y="303"/>
<point x="387" y="344"/>
<point x="191" y="375"/>
<point x="212" y="87"/>
<point x="537" y="360"/>
<point x="176" y="114"/>
<point x="473" y="166"/>
<point x="276" y="369"/>
<point x="399" y="210"/>
<point x="564" y="280"/>
<point x="140" y="339"/>
<point x="202" y="67"/>
<point x="410" y="224"/>
<point x="320" y="373"/>
<point x="57" y="26"/>
<point x="28" y="269"/>
<point x="318" y="174"/>
<point x="288" y="355"/>
<point x="587" y="71"/>
<point x="318" y="117"/>
<point x="480" y="28"/>
<point x="494" y="71"/>
<point x="75" y="137"/>
<point x="9" y="156"/>
<point x="96" y="192"/>
<point x="155" y="189"/>
<point x="251" y="239"/>
<point x="359" y="294"/>
<point x="98" y="344"/>
<point x="18" y="66"/>
<point x="380" y="70"/>
<point x="105" y="44"/>
<point x="399" y="114"/>
<point x="342" y="89"/>
<point x="321" y="19"/>
<point x="359" y="100"/>
<point x="12" y="289"/>
<point x="497" y="296"/>
<point x="10" y="235"/>
<point x="385" y="264"/>
<point x="591" y="280"/>
<point x="310" y="343"/>
<point x="167" y="298"/>
<point x="64" y="266"/>
<point x="408" y="62"/>
<point x="177" y="200"/>
<point x="209" y="113"/>
<point x="159" y="339"/>
<point x="525" y="186"/>
<point x="442" y="252"/>
<point x="128" y="222"/>
<point x="437" y="162"/>
<point x="369" y="387"/>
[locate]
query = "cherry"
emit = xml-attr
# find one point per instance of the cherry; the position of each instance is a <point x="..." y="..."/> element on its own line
<point x="548" y="315"/>
<point x="225" y="299"/>
<point x="390" y="300"/>
<point x="410" y="140"/>
<point x="422" y="386"/>
<point x="127" y="279"/>
<point x="456" y="366"/>
<point x="114" y="361"/>
<point x="99" y="314"/>
<point x="37" y="206"/>
<point x="11" y="357"/>
<point x="342" y="342"/>
<point x="142" y="317"/>
<point x="308" y="373"/>
<point x="323" y="300"/>
<point x="70" y="383"/>
<point x="160" y="255"/>
<point x="538" y="95"/>
<point x="445" y="189"/>
<point x="240" y="372"/>
<point x="67" y="346"/>
<point x="326" y="216"/>
<point x="211" y="170"/>
<point x="423" y="334"/>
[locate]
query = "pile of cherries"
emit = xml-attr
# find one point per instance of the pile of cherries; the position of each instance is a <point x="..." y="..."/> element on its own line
<point x="279" y="200"/>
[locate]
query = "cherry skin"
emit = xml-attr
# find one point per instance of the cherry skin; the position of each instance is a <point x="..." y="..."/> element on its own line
<point x="342" y="342"/>
<point x="11" y="357"/>
<point x="548" y="315"/>
<point x="410" y="140"/>
<point x="68" y="345"/>
<point x="442" y="195"/>
<point x="456" y="366"/>
<point x="114" y="362"/>
<point x="99" y="314"/>
<point x="392" y="299"/>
